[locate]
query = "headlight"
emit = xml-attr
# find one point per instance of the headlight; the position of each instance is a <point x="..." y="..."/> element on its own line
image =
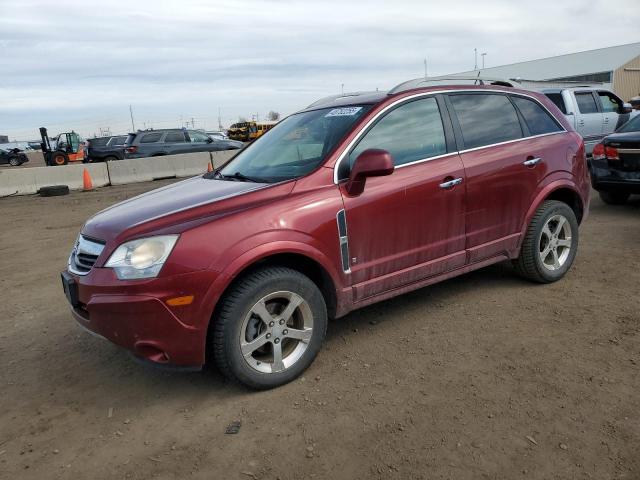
<point x="142" y="258"/>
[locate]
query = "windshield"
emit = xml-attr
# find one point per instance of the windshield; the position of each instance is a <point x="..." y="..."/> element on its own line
<point x="295" y="146"/>
<point x="632" y="125"/>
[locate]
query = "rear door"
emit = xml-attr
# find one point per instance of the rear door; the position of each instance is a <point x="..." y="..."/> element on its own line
<point x="502" y="169"/>
<point x="589" y="117"/>
<point x="176" y="142"/>
<point x="407" y="226"/>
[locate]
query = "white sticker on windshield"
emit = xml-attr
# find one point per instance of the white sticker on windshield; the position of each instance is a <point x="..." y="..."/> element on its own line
<point x="343" y="112"/>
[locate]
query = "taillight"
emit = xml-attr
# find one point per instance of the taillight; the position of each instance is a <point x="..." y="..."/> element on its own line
<point x="611" y="153"/>
<point x="598" y="152"/>
<point x="133" y="149"/>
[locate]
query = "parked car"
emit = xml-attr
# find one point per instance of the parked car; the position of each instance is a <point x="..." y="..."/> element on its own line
<point x="154" y="143"/>
<point x="615" y="166"/>
<point x="13" y="156"/>
<point x="593" y="112"/>
<point x="218" y="135"/>
<point x="351" y="201"/>
<point x="104" y="149"/>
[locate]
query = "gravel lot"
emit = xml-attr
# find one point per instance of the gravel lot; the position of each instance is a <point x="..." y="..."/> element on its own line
<point x="483" y="376"/>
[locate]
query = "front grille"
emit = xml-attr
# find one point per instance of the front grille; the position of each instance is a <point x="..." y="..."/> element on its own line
<point x="84" y="255"/>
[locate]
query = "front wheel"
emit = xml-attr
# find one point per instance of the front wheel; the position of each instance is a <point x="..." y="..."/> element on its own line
<point x="269" y="328"/>
<point x="614" y="198"/>
<point x="15" y="162"/>
<point x="550" y="244"/>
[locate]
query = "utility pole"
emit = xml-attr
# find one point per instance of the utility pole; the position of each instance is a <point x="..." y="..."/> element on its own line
<point x="193" y="123"/>
<point x="219" y="120"/>
<point x="475" y="53"/>
<point x="483" y="55"/>
<point x="132" y="124"/>
<point x="425" y="68"/>
<point x="342" y="89"/>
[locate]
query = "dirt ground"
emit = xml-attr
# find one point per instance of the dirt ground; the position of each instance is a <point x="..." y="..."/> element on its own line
<point x="482" y="377"/>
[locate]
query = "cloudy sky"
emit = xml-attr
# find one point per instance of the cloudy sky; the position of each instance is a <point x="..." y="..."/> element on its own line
<point x="80" y="64"/>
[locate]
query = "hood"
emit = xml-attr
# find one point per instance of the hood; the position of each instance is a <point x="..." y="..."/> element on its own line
<point x="191" y="198"/>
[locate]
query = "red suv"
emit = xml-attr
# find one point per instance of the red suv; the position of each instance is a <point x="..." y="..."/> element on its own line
<point x="353" y="200"/>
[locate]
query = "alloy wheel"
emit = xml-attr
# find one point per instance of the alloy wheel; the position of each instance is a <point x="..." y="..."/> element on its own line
<point x="276" y="332"/>
<point x="555" y="242"/>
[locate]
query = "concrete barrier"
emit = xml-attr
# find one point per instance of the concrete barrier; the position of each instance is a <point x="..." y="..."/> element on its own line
<point x="24" y="181"/>
<point x="169" y="166"/>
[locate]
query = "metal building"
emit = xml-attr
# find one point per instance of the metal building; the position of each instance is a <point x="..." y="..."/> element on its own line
<point x="616" y="68"/>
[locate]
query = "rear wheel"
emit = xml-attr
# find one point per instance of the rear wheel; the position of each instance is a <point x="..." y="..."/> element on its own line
<point x="614" y="198"/>
<point x="15" y="162"/>
<point x="110" y="159"/>
<point x="550" y="244"/>
<point x="269" y="329"/>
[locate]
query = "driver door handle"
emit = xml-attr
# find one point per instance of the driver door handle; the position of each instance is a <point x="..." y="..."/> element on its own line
<point x="451" y="183"/>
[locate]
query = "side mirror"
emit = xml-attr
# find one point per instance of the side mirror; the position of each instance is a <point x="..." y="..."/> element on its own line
<point x="370" y="163"/>
<point x="626" y="108"/>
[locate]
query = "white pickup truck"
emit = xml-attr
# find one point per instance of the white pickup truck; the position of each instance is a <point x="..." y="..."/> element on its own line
<point x="593" y="112"/>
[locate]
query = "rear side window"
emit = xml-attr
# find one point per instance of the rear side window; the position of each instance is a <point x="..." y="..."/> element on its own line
<point x="410" y="132"/>
<point x="99" y="142"/>
<point x="174" y="137"/>
<point x="150" y="137"/>
<point x="586" y="103"/>
<point x="558" y="100"/>
<point x="486" y="119"/>
<point x="118" y="140"/>
<point x="537" y="118"/>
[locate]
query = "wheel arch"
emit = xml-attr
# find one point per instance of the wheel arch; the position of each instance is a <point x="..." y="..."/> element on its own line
<point x="560" y="190"/>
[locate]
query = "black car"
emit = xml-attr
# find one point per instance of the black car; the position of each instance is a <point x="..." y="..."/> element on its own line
<point x="14" y="157"/>
<point x="103" y="149"/>
<point x="615" y="167"/>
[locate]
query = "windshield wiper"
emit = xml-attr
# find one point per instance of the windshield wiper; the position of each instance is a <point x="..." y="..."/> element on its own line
<point x="244" y="178"/>
<point x="218" y="175"/>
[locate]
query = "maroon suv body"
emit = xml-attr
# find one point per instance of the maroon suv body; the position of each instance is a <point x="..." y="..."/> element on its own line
<point x="361" y="198"/>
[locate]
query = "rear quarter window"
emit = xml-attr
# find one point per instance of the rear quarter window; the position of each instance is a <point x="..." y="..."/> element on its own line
<point x="486" y="119"/>
<point x="538" y="120"/>
<point x="118" y="140"/>
<point x="150" y="137"/>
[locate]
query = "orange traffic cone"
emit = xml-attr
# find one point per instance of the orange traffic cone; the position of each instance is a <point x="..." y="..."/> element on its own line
<point x="87" y="184"/>
<point x="209" y="167"/>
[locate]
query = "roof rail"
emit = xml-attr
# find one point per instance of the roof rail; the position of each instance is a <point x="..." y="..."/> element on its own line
<point x="452" y="80"/>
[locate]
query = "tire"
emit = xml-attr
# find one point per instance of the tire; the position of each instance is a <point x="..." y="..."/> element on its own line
<point x="236" y="322"/>
<point x="15" y="162"/>
<point x="59" y="159"/>
<point x="54" y="191"/>
<point x="554" y="230"/>
<point x="110" y="159"/>
<point x="614" y="198"/>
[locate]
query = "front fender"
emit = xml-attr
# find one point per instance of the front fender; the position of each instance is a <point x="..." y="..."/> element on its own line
<point x="257" y="252"/>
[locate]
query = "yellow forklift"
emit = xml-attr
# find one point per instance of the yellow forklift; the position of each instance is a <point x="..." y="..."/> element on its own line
<point x="62" y="149"/>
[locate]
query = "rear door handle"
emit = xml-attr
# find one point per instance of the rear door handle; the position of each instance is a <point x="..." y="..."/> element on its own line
<point x="530" y="162"/>
<point x="451" y="183"/>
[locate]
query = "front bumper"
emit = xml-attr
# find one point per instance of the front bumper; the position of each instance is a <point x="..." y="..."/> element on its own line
<point x="604" y="177"/>
<point x="135" y="315"/>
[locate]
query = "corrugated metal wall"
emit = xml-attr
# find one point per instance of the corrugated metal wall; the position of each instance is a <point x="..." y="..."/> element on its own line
<point x="626" y="83"/>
